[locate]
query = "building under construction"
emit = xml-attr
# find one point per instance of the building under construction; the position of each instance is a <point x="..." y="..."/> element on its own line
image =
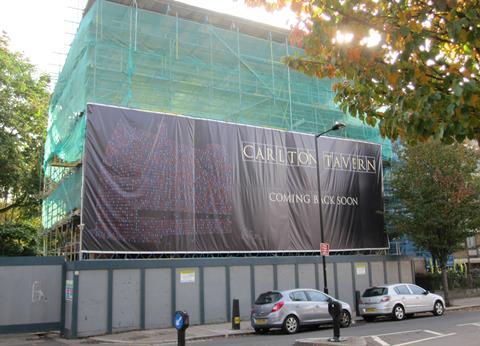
<point x="166" y="56"/>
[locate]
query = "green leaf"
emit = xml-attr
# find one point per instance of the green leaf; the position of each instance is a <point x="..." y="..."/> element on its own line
<point x="451" y="109"/>
<point x="458" y="90"/>
<point x="404" y="30"/>
<point x="431" y="97"/>
<point x="23" y="110"/>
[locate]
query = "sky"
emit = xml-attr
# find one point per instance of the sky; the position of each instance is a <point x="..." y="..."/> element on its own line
<point x="38" y="29"/>
<point x="43" y="29"/>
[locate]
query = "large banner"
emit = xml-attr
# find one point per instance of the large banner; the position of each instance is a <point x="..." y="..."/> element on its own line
<point x="162" y="183"/>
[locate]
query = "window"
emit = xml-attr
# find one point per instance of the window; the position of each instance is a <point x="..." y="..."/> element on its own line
<point x="375" y="292"/>
<point x="416" y="289"/>
<point x="471" y="243"/>
<point x="402" y="289"/>
<point x="268" y="298"/>
<point x="298" y="296"/>
<point x="316" y="296"/>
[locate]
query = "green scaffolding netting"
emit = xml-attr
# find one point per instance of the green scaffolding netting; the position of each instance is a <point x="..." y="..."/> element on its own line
<point x="64" y="199"/>
<point x="130" y="57"/>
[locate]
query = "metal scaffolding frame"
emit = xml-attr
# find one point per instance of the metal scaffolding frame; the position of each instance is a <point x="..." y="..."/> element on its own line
<point x="181" y="60"/>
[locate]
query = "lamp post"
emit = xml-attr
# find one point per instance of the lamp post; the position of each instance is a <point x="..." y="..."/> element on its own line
<point x="335" y="127"/>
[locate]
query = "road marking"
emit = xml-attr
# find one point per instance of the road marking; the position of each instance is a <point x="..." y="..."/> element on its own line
<point x="425" y="339"/>
<point x="432" y="332"/>
<point x="380" y="341"/>
<point x="402" y="332"/>
<point x="113" y="341"/>
<point x="469" y="324"/>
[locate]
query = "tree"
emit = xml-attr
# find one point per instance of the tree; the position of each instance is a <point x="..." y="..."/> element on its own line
<point x="23" y="118"/>
<point x="438" y="192"/>
<point x="17" y="239"/>
<point x="410" y="66"/>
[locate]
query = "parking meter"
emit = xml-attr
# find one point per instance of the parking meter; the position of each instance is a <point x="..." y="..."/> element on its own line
<point x="181" y="322"/>
<point x="335" y="310"/>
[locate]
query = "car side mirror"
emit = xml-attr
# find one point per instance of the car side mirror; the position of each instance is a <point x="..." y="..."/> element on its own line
<point x="426" y="292"/>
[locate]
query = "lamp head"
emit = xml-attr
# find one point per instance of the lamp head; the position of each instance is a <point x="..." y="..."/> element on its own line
<point x="338" y="125"/>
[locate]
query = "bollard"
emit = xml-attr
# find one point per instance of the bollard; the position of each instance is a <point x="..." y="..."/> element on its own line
<point x="181" y="322"/>
<point x="335" y="310"/>
<point x="357" y="302"/>
<point x="236" y="315"/>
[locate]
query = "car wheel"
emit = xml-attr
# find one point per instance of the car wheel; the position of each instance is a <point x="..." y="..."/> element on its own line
<point x="369" y="318"/>
<point x="345" y="319"/>
<point x="291" y="324"/>
<point x="261" y="330"/>
<point x="398" y="312"/>
<point x="438" y="308"/>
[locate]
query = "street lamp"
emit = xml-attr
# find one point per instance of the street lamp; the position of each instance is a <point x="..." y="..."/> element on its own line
<point x="337" y="126"/>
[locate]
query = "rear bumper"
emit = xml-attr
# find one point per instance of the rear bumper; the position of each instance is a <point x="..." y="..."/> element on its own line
<point x="270" y="321"/>
<point x="374" y="309"/>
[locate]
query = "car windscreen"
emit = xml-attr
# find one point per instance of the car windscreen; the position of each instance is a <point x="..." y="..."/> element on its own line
<point x="268" y="298"/>
<point x="375" y="291"/>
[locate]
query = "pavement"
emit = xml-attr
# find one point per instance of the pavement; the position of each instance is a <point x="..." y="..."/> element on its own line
<point x="464" y="303"/>
<point x="222" y="330"/>
<point x="168" y="336"/>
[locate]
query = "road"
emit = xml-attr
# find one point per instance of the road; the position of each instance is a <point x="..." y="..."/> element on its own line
<point x="459" y="328"/>
<point x="454" y="328"/>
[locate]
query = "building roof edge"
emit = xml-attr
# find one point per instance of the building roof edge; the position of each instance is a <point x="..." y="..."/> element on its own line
<point x="205" y="16"/>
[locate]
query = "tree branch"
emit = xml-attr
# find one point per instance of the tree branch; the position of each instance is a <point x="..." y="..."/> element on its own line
<point x="17" y="203"/>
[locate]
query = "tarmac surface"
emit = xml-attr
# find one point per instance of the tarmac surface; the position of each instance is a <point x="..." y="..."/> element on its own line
<point x="462" y="319"/>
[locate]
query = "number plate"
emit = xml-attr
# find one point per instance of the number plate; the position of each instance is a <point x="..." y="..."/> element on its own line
<point x="261" y="321"/>
<point x="371" y="309"/>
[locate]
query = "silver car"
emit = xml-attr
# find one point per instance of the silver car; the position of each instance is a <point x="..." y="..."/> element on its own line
<point x="294" y="308"/>
<point x="399" y="301"/>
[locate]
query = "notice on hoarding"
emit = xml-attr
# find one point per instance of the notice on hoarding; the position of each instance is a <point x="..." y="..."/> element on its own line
<point x="69" y="290"/>
<point x="155" y="182"/>
<point x="361" y="268"/>
<point x="187" y="276"/>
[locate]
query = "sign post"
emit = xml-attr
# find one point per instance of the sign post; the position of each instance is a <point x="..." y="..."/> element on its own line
<point x="335" y="127"/>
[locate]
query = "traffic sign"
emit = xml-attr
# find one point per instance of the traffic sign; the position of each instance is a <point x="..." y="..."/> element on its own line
<point x="181" y="320"/>
<point x="324" y="249"/>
